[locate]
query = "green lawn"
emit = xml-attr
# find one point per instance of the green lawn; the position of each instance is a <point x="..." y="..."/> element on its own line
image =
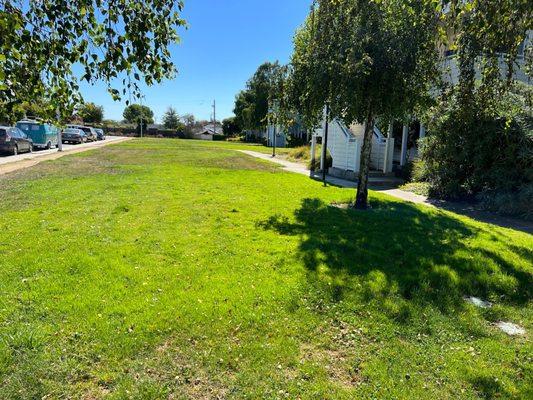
<point x="158" y="269"/>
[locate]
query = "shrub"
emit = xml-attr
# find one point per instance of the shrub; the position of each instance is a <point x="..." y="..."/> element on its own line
<point x="414" y="171"/>
<point x="518" y="203"/>
<point x="300" y="153"/>
<point x="295" y="141"/>
<point x="470" y="152"/>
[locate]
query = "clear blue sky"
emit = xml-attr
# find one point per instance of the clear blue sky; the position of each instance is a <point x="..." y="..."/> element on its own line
<point x="225" y="43"/>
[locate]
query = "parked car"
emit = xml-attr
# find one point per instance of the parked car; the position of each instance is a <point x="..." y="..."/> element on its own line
<point x="13" y="140"/>
<point x="73" y="135"/>
<point x="89" y="132"/>
<point x="100" y="133"/>
<point x="43" y="136"/>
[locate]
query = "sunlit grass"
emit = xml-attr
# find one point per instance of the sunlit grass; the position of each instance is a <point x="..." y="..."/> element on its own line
<point x="184" y="269"/>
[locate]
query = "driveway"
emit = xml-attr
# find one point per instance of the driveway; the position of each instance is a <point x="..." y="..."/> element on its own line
<point x="25" y="160"/>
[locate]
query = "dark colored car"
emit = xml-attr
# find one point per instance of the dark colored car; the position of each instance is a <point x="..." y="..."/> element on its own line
<point x="13" y="140"/>
<point x="89" y="132"/>
<point x="100" y="133"/>
<point x="73" y="135"/>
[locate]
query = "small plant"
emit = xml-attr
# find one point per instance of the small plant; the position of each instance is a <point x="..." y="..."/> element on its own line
<point x="300" y="153"/>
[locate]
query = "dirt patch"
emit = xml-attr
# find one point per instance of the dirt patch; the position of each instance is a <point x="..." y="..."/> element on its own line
<point x="96" y="394"/>
<point x="202" y="388"/>
<point x="336" y="362"/>
<point x="191" y="379"/>
<point x="337" y="355"/>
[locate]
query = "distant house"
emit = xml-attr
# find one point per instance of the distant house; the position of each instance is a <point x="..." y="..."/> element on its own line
<point x="283" y="136"/>
<point x="208" y="131"/>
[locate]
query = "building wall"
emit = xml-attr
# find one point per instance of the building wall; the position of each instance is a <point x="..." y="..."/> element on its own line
<point x="344" y="148"/>
<point x="281" y="138"/>
<point x="451" y="70"/>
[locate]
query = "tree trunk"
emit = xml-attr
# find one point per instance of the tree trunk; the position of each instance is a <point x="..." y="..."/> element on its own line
<point x="361" y="200"/>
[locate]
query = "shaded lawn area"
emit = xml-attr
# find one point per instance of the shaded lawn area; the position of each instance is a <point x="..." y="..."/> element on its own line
<point x="158" y="269"/>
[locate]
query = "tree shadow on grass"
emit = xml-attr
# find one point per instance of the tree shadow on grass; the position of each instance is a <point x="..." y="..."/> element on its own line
<point x="397" y="249"/>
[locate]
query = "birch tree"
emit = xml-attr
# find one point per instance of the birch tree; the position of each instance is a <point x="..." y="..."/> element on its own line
<point x="119" y="42"/>
<point x="366" y="59"/>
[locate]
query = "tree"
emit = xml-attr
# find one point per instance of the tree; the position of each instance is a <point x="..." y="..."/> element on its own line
<point x="365" y="59"/>
<point x="135" y="113"/>
<point x="125" y="40"/>
<point x="230" y="127"/>
<point x="188" y="120"/>
<point x="252" y="104"/>
<point x="486" y="109"/>
<point x="91" y="113"/>
<point x="171" y="119"/>
<point x="37" y="108"/>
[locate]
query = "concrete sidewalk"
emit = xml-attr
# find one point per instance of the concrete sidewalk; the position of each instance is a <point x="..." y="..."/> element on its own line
<point x="13" y="163"/>
<point x="290" y="166"/>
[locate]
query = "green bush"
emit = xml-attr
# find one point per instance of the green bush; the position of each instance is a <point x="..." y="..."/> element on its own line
<point x="472" y="152"/>
<point x="300" y="153"/>
<point x="414" y="171"/>
<point x="517" y="203"/>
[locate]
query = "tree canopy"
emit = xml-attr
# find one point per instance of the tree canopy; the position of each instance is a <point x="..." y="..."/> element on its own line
<point x="126" y="41"/>
<point x="252" y="104"/>
<point x="483" y="34"/>
<point x="135" y="113"/>
<point x="230" y="127"/>
<point x="365" y="59"/>
<point x="91" y="113"/>
<point x="171" y="119"/>
<point x="486" y="109"/>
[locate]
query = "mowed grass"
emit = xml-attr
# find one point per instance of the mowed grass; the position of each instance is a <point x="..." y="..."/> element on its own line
<point x="158" y="269"/>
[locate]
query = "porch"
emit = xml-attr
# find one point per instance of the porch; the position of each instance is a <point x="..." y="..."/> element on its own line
<point x="390" y="152"/>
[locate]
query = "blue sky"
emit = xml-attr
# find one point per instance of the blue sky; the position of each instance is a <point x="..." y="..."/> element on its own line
<point x="225" y="43"/>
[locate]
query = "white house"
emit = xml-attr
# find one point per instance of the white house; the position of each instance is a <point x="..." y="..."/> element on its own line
<point x="284" y="134"/>
<point x="345" y="144"/>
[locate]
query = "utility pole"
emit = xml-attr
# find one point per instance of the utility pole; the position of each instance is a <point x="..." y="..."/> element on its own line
<point x="214" y="117"/>
<point x="58" y="117"/>
<point x="274" y="140"/>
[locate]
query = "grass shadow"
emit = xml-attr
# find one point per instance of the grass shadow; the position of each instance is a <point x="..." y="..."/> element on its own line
<point x="397" y="249"/>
